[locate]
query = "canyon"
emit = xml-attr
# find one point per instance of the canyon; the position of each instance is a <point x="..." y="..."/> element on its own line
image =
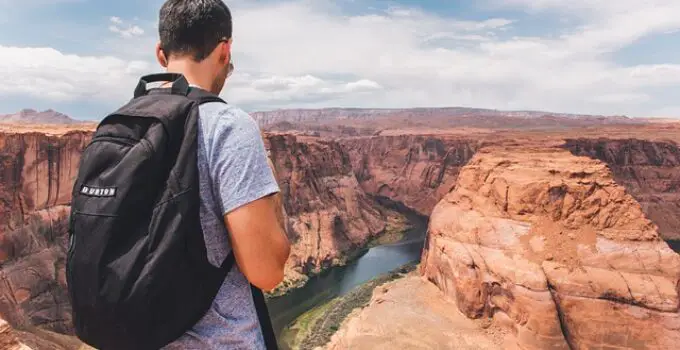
<point x="496" y="196"/>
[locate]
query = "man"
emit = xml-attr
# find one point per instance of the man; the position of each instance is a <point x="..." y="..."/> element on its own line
<point x="240" y="201"/>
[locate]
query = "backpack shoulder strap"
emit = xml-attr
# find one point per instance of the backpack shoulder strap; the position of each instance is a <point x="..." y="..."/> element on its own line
<point x="264" y="318"/>
<point x="202" y="96"/>
<point x="180" y="86"/>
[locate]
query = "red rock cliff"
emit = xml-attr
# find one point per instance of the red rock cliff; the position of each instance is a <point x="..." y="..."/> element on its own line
<point x="413" y="169"/>
<point x="550" y="246"/>
<point x="36" y="179"/>
<point x="650" y="171"/>
<point x="329" y="213"/>
<point x="37" y="172"/>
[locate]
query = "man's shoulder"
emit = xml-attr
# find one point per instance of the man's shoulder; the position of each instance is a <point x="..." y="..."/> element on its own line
<point x="225" y="114"/>
<point x="228" y="127"/>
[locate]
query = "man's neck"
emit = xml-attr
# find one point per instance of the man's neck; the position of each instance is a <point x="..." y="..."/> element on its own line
<point x="192" y="72"/>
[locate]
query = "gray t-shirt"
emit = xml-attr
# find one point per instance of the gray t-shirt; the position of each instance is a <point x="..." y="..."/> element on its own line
<point x="233" y="171"/>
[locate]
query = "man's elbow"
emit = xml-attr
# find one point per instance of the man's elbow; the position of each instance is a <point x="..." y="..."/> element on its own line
<point x="267" y="282"/>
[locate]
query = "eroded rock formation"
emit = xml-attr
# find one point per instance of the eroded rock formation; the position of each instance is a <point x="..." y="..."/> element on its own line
<point x="32" y="278"/>
<point x="36" y="172"/>
<point x="650" y="171"/>
<point x="8" y="339"/>
<point x="36" y="179"/>
<point x="329" y="213"/>
<point x="550" y="246"/>
<point x="413" y="169"/>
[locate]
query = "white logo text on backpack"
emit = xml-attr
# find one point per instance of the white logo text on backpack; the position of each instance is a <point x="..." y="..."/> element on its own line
<point x="98" y="191"/>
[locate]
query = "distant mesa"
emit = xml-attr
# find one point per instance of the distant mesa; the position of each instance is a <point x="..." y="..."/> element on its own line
<point x="32" y="116"/>
<point x="445" y="117"/>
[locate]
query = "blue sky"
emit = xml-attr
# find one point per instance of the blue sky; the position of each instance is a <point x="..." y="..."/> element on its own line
<point x="83" y="57"/>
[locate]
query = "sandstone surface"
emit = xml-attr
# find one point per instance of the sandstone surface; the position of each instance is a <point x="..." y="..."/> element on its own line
<point x="548" y="245"/>
<point x="411" y="313"/>
<point x="8" y="339"/>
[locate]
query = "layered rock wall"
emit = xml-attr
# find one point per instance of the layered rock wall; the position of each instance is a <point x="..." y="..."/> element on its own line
<point x="36" y="179"/>
<point x="413" y="169"/>
<point x="548" y="245"/>
<point x="650" y="171"/>
<point x="37" y="172"/>
<point x="329" y="213"/>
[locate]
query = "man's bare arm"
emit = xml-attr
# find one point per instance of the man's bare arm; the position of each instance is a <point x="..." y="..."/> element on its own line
<point x="258" y="237"/>
<point x="281" y="213"/>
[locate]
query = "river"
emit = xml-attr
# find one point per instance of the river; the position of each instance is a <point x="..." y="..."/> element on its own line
<point x="338" y="281"/>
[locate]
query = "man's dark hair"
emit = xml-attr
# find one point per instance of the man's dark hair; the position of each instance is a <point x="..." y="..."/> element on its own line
<point x="193" y="27"/>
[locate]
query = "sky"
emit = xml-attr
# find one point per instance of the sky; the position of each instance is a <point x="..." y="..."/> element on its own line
<point x="611" y="57"/>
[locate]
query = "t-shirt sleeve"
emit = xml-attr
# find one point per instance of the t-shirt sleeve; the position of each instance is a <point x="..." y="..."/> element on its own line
<point x="239" y="168"/>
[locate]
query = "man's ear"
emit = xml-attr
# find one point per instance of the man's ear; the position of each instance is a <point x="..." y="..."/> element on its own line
<point x="160" y="56"/>
<point x="225" y="52"/>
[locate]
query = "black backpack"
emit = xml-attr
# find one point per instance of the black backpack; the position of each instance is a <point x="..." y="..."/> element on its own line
<point x="137" y="268"/>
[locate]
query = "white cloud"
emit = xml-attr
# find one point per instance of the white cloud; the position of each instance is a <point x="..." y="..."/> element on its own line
<point x="291" y="90"/>
<point x="127" y="32"/>
<point x="124" y="30"/>
<point x="625" y="98"/>
<point x="45" y="73"/>
<point x="308" y="53"/>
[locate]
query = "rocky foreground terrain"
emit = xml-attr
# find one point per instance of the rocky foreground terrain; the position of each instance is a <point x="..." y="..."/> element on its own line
<point x="499" y="199"/>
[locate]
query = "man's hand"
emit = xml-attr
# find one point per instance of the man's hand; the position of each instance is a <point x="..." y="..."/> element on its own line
<point x="259" y="240"/>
